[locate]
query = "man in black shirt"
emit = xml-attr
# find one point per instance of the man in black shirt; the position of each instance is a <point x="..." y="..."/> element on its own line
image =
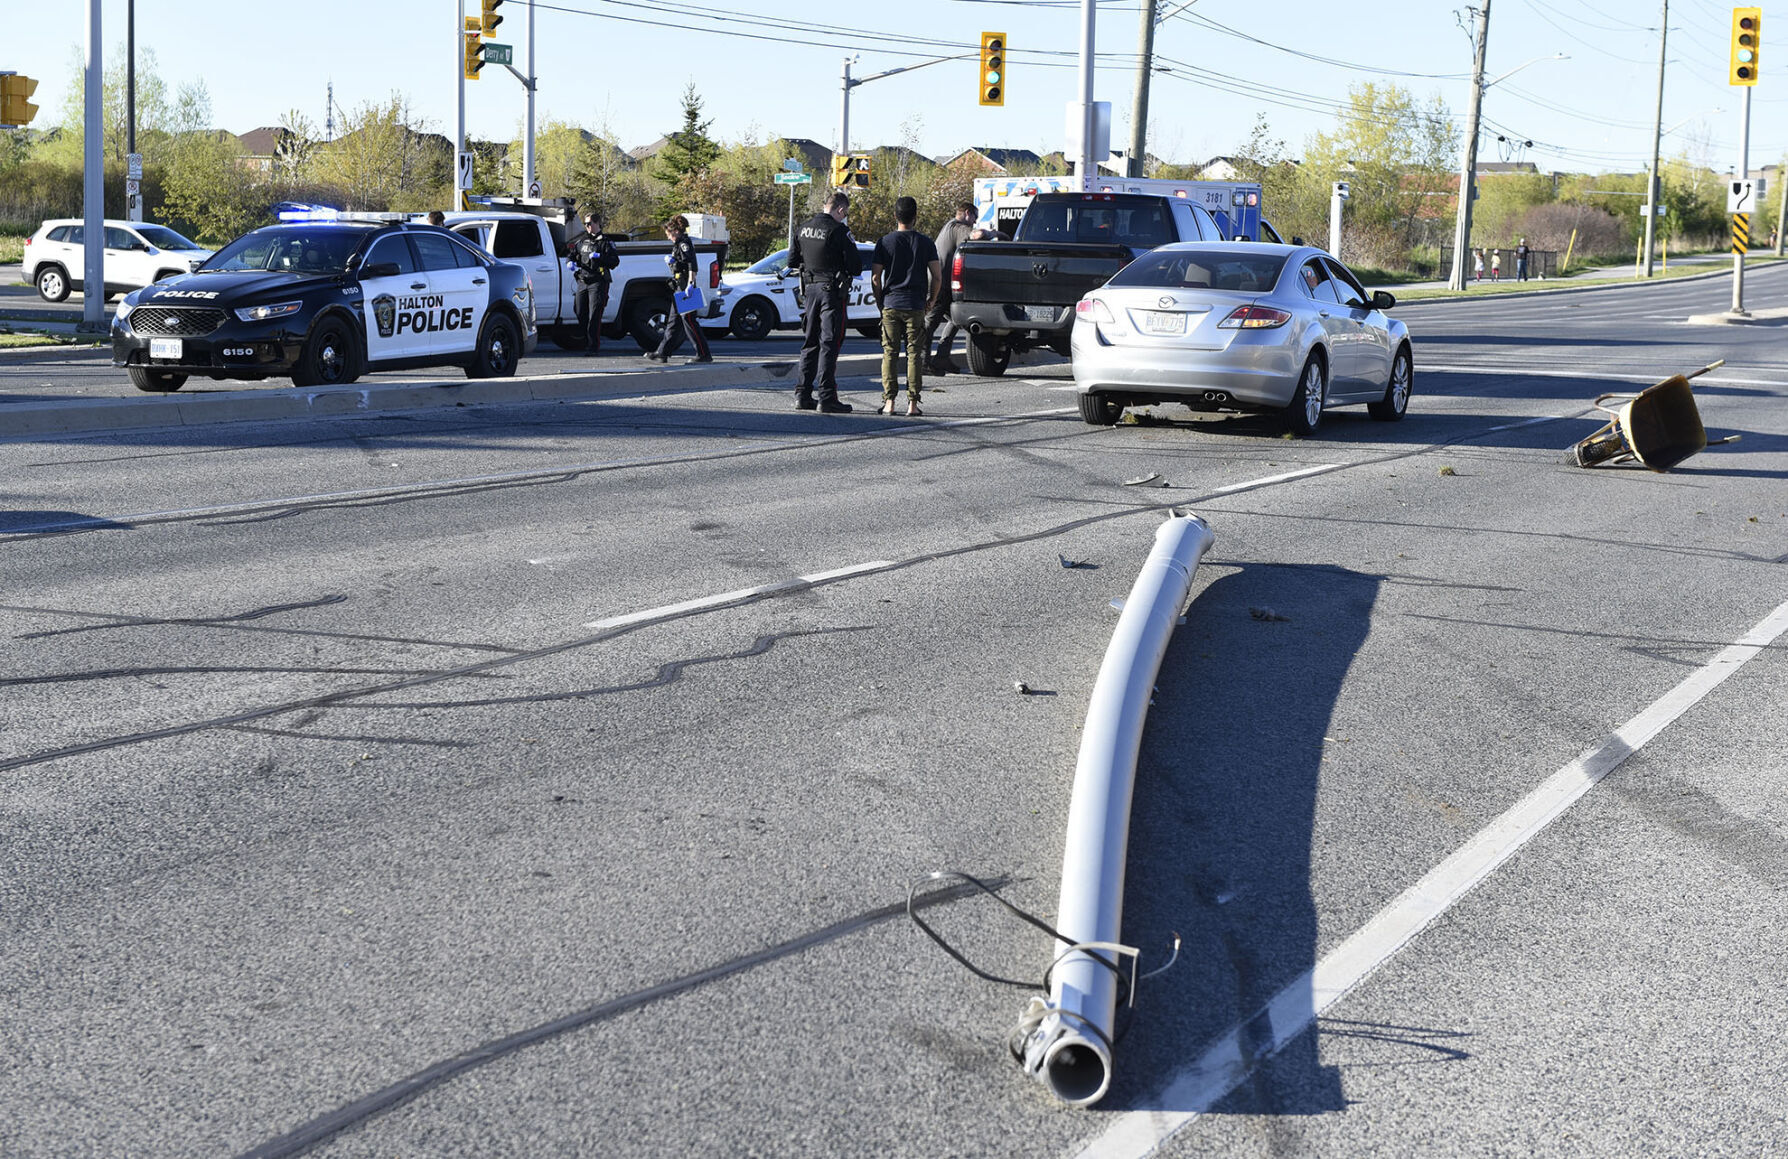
<point x="826" y="257"/>
<point x="904" y="275"/>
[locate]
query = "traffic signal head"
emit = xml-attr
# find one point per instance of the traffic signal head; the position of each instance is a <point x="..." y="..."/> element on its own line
<point x="15" y="99"/>
<point x="859" y="171"/>
<point x="491" y="19"/>
<point x="993" y="68"/>
<point x="474" y="55"/>
<point x="1747" y="39"/>
<point x="841" y="171"/>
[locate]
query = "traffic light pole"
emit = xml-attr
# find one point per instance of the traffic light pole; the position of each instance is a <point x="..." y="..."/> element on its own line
<point x="459" y="76"/>
<point x="1656" y="188"/>
<point x="849" y="83"/>
<point x="1744" y="173"/>
<point x="93" y="189"/>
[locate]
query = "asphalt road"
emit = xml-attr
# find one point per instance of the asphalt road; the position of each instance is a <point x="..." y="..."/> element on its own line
<point x="425" y="785"/>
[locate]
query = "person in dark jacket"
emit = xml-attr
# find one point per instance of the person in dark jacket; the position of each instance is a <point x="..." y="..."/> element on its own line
<point x="904" y="275"/>
<point x="826" y="257"/>
<point x="593" y="257"/>
<point x="956" y="231"/>
<point x="684" y="264"/>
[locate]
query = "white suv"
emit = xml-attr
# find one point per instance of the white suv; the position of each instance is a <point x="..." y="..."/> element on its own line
<point x="137" y="254"/>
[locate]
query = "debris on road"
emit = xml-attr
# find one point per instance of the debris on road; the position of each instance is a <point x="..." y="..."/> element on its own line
<point x="1447" y="472"/>
<point x="1268" y="614"/>
<point x="1152" y="479"/>
<point x="1658" y="428"/>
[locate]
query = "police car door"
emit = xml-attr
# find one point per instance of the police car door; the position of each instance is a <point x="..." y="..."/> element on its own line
<point x="458" y="292"/>
<point x="389" y="301"/>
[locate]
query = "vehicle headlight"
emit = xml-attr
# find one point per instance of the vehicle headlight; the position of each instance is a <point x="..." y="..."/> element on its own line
<point x="266" y="313"/>
<point x="124" y="309"/>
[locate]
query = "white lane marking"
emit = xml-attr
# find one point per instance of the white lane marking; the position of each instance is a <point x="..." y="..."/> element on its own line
<point x="1270" y="479"/>
<point x="1225" y="1064"/>
<point x="735" y="449"/>
<point x="742" y="595"/>
<point x="1623" y="376"/>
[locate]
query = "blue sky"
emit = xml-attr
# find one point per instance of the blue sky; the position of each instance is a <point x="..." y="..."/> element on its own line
<point x="771" y="68"/>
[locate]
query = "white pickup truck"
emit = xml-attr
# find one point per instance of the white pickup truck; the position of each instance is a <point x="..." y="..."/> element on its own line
<point x="535" y="233"/>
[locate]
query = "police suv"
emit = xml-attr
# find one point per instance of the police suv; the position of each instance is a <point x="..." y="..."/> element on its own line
<point x="767" y="296"/>
<point x="325" y="302"/>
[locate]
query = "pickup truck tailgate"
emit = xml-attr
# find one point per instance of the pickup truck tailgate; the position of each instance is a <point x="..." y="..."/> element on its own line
<point x="1057" y="273"/>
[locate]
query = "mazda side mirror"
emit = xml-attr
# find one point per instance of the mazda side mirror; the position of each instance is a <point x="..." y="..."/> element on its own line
<point x="1382" y="300"/>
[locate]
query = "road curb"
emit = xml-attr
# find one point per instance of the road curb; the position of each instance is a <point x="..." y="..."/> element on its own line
<point x="27" y="420"/>
<point x="1550" y="290"/>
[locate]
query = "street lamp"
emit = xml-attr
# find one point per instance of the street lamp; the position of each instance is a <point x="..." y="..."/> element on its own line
<point x="1468" y="169"/>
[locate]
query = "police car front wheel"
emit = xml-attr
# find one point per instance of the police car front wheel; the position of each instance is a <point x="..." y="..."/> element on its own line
<point x="156" y="381"/>
<point x="499" y="347"/>
<point x="328" y="359"/>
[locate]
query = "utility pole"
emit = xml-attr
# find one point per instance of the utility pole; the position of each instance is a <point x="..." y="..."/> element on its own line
<point x="93" y="189"/>
<point x="1656" y="188"/>
<point x="1467" y="171"/>
<point x="460" y="184"/>
<point x="133" y="189"/>
<point x="1083" y="164"/>
<point x="1139" y="110"/>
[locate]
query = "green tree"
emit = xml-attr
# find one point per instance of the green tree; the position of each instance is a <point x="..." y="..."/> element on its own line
<point x="382" y="162"/>
<point x="684" y="162"/>
<point x="205" y="186"/>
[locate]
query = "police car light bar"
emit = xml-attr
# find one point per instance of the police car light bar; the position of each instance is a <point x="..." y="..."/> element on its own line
<point x="299" y="211"/>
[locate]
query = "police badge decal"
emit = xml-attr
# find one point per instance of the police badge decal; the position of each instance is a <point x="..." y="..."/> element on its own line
<point x="385" y="314"/>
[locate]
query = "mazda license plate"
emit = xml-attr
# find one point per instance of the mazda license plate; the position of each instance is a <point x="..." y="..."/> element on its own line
<point x="1039" y="313"/>
<point x="168" y="348"/>
<point x="1163" y="322"/>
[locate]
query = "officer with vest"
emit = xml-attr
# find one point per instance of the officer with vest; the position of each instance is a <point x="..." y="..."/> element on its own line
<point x="826" y="257"/>
<point x="594" y="258"/>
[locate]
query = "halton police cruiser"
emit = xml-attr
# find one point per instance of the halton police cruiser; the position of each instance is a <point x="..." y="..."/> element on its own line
<point x="326" y="301"/>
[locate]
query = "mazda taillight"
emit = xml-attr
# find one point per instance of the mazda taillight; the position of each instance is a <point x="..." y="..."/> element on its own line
<point x="1093" y="310"/>
<point x="1254" y="318"/>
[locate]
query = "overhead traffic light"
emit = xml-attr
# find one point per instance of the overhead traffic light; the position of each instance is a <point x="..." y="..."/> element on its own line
<point x="850" y="171"/>
<point x="1747" y="39"/>
<point x="491" y="19"/>
<point x="474" y="55"/>
<point x="993" y="68"/>
<point x="16" y="108"/>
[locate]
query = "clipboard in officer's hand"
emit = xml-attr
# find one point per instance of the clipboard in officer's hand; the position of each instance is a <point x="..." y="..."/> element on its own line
<point x="690" y="300"/>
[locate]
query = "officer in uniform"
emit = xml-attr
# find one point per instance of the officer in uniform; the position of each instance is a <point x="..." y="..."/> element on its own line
<point x="595" y="258"/>
<point x="826" y="257"/>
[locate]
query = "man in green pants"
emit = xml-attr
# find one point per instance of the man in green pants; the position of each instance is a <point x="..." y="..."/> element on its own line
<point x="904" y="274"/>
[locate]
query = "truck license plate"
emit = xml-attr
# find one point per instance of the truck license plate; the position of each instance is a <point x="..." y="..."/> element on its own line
<point x="165" y="348"/>
<point x="1039" y="313"/>
<point x="1163" y="322"/>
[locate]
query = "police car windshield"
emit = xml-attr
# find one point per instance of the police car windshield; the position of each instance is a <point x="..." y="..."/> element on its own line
<point x="1247" y="270"/>
<point x="290" y="249"/>
<point x="776" y="261"/>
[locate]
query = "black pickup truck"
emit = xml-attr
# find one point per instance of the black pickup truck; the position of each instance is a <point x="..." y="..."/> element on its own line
<point x="1012" y="295"/>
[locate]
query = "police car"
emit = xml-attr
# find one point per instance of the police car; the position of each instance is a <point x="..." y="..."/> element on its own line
<point x="767" y="296"/>
<point x="325" y="302"/>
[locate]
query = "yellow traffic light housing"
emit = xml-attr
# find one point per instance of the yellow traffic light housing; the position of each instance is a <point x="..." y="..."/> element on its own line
<point x="850" y="171"/>
<point x="841" y="172"/>
<point x="993" y="68"/>
<point x="491" y="19"/>
<point x="1747" y="40"/>
<point x="16" y="109"/>
<point x="474" y="55"/>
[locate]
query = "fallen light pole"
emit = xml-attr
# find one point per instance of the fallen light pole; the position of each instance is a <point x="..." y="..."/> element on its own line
<point x="1069" y="1044"/>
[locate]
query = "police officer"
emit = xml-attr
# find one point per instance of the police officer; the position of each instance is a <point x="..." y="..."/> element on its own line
<point x="828" y="261"/>
<point x="594" y="258"/>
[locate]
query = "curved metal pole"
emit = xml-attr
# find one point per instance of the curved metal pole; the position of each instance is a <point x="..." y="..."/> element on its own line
<point x="1070" y="1050"/>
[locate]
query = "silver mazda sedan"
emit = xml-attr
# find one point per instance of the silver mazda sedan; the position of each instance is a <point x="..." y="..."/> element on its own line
<point x="1222" y="326"/>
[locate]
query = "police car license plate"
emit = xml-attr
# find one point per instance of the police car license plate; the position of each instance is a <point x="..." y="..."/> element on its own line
<point x="1163" y="322"/>
<point x="1039" y="313"/>
<point x="165" y="348"/>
